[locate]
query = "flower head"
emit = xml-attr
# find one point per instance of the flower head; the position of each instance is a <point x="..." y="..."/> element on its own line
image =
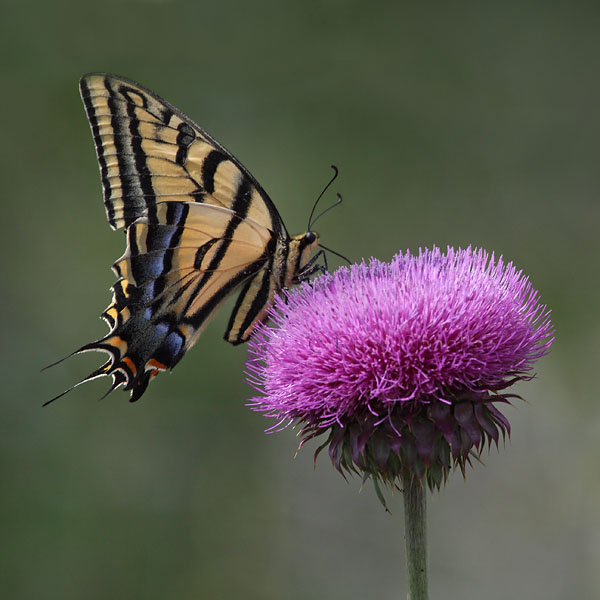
<point x="401" y="364"/>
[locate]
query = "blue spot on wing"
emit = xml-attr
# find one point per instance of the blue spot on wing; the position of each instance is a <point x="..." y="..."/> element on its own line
<point x="161" y="329"/>
<point x="159" y="236"/>
<point x="170" y="350"/>
<point x="147" y="266"/>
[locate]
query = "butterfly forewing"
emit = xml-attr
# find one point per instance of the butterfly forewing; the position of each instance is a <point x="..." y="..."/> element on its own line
<point x="150" y="152"/>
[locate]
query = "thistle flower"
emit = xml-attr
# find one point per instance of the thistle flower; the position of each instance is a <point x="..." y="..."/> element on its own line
<point x="403" y="364"/>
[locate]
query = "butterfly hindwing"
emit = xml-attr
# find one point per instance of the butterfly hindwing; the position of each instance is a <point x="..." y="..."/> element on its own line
<point x="178" y="268"/>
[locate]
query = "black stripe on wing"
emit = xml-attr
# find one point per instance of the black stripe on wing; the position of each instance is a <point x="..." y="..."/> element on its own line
<point x="251" y="306"/>
<point x="97" y="135"/>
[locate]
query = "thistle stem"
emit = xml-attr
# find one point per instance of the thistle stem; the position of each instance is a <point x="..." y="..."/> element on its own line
<point x="415" y="537"/>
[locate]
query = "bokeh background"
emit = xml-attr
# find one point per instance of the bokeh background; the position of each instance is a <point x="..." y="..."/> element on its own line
<point x="451" y="123"/>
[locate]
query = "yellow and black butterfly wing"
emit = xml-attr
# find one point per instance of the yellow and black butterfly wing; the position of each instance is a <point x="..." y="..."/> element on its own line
<point x="150" y="152"/>
<point x="198" y="225"/>
<point x="181" y="262"/>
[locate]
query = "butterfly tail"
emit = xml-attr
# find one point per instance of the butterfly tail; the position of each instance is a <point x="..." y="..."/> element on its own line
<point x="101" y="371"/>
<point x="139" y="349"/>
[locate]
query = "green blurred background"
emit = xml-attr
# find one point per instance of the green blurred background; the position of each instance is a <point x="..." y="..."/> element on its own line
<point x="451" y="123"/>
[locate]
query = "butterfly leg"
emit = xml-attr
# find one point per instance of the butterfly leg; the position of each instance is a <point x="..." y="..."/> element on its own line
<point x="312" y="267"/>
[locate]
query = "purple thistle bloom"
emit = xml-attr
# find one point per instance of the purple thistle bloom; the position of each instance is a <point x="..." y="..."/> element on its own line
<point x="401" y="363"/>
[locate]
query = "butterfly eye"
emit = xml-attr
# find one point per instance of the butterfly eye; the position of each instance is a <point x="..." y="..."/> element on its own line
<point x="310" y="237"/>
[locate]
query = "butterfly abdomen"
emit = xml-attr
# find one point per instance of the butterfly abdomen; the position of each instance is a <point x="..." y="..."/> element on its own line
<point x="287" y="261"/>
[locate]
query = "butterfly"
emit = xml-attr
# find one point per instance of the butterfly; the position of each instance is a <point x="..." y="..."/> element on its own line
<point x="198" y="226"/>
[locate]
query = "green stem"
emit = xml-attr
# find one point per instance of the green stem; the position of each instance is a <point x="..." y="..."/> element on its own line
<point x="415" y="537"/>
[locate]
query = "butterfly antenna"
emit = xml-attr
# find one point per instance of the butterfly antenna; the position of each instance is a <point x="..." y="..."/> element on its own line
<point x="336" y="203"/>
<point x="311" y="222"/>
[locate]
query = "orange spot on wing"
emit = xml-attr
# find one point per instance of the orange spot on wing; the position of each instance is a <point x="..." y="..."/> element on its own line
<point x="119" y="343"/>
<point x="154" y="364"/>
<point x="130" y="364"/>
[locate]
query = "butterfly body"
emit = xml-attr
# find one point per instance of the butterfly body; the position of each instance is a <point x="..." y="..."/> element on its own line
<point x="198" y="227"/>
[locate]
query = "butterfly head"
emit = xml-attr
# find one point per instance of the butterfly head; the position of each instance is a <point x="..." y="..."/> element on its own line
<point x="299" y="265"/>
<point x="310" y="239"/>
